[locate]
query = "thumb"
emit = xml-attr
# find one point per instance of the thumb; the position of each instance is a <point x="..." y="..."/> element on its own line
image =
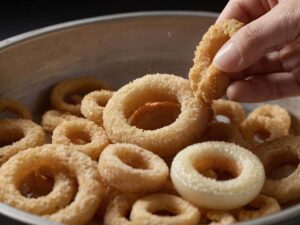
<point x="252" y="41"/>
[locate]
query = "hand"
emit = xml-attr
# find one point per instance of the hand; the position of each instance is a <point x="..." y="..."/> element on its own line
<point x="265" y="53"/>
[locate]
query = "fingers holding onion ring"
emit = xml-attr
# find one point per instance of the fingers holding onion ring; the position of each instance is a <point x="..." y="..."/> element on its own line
<point x="132" y="169"/>
<point x="16" y="108"/>
<point x="74" y="86"/>
<point x="17" y="135"/>
<point x="189" y="125"/>
<point x="81" y="135"/>
<point x="246" y="169"/>
<point x="179" y="211"/>
<point x="207" y="81"/>
<point x="54" y="157"/>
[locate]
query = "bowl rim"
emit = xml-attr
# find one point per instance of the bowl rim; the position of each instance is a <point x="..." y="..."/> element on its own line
<point x="74" y="23"/>
<point x="24" y="217"/>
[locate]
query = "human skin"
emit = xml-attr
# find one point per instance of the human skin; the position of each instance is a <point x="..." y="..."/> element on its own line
<point x="264" y="55"/>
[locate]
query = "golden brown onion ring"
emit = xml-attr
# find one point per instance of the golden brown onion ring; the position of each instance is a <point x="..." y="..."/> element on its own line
<point x="52" y="118"/>
<point x="132" y="169"/>
<point x="82" y="85"/>
<point x="260" y="129"/>
<point x="62" y="193"/>
<point x="55" y="158"/>
<point x="284" y="150"/>
<point x="148" y="208"/>
<point x="247" y="170"/>
<point x="275" y="113"/>
<point x="264" y="206"/>
<point x="93" y="104"/>
<point x="188" y="127"/>
<point x="155" y="115"/>
<point x="207" y="81"/>
<point x="81" y="135"/>
<point x="16" y="108"/>
<point x="17" y="135"/>
<point x="234" y="111"/>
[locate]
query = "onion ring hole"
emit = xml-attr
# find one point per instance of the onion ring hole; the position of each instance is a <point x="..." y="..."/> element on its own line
<point x="165" y="212"/>
<point x="281" y="165"/>
<point x="216" y="167"/>
<point x="155" y="115"/>
<point x="36" y="184"/>
<point x="74" y="99"/>
<point x="150" y="95"/>
<point x="223" y="118"/>
<point x="135" y="161"/>
<point x="12" y="135"/>
<point x="261" y="135"/>
<point x="78" y="137"/>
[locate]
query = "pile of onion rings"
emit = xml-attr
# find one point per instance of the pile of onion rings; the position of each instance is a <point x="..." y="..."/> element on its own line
<point x="157" y="151"/>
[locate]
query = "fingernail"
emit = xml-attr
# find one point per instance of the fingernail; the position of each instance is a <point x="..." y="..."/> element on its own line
<point x="228" y="58"/>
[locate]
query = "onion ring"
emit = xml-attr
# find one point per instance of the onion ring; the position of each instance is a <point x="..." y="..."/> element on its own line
<point x="93" y="104"/>
<point x="207" y="81"/>
<point x="144" y="209"/>
<point x="117" y="210"/>
<point x="54" y="157"/>
<point x="218" y="131"/>
<point x="16" y="108"/>
<point x="233" y="110"/>
<point x="264" y="206"/>
<point x="263" y="128"/>
<point x="155" y="115"/>
<point x="81" y="135"/>
<point x="52" y="118"/>
<point x="130" y="168"/>
<point x="277" y="152"/>
<point x="273" y="112"/>
<point x="17" y="135"/>
<point x="209" y="193"/>
<point x="153" y="88"/>
<point x="74" y="86"/>
<point x="63" y="192"/>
